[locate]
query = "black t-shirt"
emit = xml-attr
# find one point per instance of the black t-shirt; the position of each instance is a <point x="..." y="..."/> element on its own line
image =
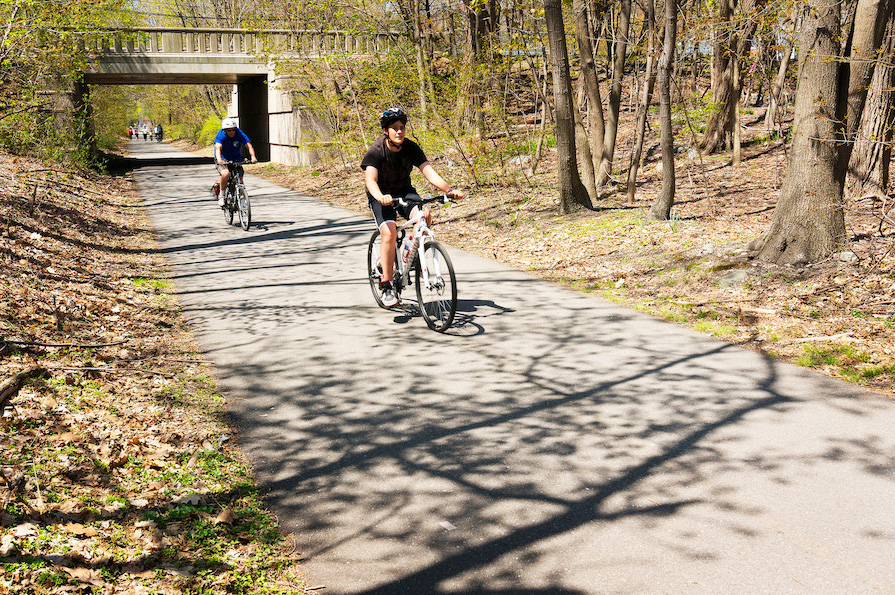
<point x="394" y="167"/>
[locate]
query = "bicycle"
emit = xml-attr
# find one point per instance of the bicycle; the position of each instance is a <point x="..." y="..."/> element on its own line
<point x="236" y="199"/>
<point x="436" y="283"/>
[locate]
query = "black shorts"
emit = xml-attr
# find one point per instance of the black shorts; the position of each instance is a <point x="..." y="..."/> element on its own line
<point x="383" y="213"/>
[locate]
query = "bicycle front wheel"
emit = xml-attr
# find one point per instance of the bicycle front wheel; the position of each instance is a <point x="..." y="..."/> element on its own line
<point x="228" y="208"/>
<point x="374" y="266"/>
<point x="436" y="287"/>
<point x="245" y="207"/>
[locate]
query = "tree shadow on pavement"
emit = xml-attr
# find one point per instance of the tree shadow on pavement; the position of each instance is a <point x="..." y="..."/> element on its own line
<point x="555" y="443"/>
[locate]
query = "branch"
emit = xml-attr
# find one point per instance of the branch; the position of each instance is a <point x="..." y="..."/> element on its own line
<point x="11" y="386"/>
<point x="844" y="336"/>
<point x="98" y="369"/>
<point x="27" y="108"/>
<point x="74" y="345"/>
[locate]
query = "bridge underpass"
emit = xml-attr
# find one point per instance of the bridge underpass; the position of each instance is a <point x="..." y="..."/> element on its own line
<point x="281" y="129"/>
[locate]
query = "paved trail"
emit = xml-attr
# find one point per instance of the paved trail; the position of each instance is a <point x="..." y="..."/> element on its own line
<point x="551" y="443"/>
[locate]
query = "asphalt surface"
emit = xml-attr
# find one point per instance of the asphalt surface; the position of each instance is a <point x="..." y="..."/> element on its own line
<point x="549" y="443"/>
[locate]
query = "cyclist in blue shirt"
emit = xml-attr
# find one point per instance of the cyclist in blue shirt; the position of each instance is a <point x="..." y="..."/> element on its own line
<point x="228" y="146"/>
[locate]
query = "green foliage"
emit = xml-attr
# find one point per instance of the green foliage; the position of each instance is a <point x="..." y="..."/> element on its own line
<point x="191" y="112"/>
<point x="206" y="134"/>
<point x="41" y="57"/>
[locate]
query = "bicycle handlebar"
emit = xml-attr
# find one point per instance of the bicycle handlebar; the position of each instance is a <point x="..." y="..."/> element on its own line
<point x="445" y="199"/>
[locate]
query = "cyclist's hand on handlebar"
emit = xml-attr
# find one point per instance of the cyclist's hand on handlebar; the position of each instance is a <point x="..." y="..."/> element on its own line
<point x="455" y="194"/>
<point x="254" y="159"/>
<point x="386" y="199"/>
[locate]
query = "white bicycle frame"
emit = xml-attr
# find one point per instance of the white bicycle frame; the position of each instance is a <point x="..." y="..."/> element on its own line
<point x="421" y="230"/>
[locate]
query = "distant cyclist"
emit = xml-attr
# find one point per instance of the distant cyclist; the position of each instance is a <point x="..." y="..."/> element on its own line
<point x="387" y="166"/>
<point x="158" y="132"/>
<point x="228" y="146"/>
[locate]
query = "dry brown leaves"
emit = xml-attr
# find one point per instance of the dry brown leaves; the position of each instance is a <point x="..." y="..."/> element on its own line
<point x="98" y="445"/>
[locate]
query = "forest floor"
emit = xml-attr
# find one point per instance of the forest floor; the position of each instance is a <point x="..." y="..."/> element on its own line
<point x="118" y="471"/>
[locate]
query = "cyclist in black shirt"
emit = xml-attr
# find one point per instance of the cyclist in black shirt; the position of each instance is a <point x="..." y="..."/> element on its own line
<point x="387" y="166"/>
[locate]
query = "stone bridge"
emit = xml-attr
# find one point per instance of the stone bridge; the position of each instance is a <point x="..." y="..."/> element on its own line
<point x="280" y="129"/>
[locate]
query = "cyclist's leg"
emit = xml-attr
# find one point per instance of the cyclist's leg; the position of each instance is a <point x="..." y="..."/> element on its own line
<point x="414" y="198"/>
<point x="224" y="171"/>
<point x="385" y="220"/>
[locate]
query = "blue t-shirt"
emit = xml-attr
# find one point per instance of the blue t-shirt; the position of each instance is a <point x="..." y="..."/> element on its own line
<point x="231" y="148"/>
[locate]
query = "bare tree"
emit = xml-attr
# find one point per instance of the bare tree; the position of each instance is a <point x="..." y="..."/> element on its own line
<point x="591" y="84"/>
<point x="868" y="174"/>
<point x="661" y="207"/>
<point x="571" y="191"/>
<point x="835" y="71"/>
<point x="735" y="33"/>
<point x="615" y="93"/>
<point x="646" y="97"/>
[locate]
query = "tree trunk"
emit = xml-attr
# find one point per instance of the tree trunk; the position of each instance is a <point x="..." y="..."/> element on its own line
<point x="868" y="174"/>
<point x="481" y="23"/>
<point x="726" y="87"/>
<point x="737" y="136"/>
<point x="661" y="207"/>
<point x="421" y="70"/>
<point x="809" y="223"/>
<point x="770" y="117"/>
<point x="595" y="121"/>
<point x="571" y="191"/>
<point x="615" y="94"/>
<point x="583" y="146"/>
<point x="646" y="97"/>
<point x="871" y="17"/>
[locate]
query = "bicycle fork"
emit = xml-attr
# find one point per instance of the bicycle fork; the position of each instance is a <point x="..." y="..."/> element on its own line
<point x="428" y="278"/>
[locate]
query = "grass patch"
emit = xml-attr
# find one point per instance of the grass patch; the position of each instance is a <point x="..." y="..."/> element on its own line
<point x="148" y="283"/>
<point x="814" y="356"/>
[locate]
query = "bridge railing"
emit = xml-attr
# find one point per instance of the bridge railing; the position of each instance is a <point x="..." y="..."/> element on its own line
<point x="152" y="40"/>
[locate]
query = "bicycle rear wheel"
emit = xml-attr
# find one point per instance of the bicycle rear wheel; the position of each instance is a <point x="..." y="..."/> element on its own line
<point x="436" y="292"/>
<point x="228" y="208"/>
<point x="245" y="207"/>
<point x="374" y="266"/>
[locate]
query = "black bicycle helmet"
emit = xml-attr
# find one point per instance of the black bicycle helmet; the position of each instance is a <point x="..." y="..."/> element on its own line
<point x="392" y="114"/>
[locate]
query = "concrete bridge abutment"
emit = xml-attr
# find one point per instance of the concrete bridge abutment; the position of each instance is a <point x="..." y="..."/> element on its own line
<point x="282" y="128"/>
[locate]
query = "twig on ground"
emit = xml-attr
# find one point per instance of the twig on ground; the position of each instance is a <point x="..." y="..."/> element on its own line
<point x="11" y="386"/>
<point x="69" y="345"/>
<point x="185" y="361"/>
<point x="100" y="369"/>
<point x="836" y="337"/>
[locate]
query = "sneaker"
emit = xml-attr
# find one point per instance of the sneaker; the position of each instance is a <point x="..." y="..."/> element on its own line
<point x="389" y="298"/>
<point x="216" y="190"/>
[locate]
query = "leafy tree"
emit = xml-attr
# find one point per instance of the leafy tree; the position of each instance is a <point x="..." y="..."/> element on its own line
<point x="41" y="62"/>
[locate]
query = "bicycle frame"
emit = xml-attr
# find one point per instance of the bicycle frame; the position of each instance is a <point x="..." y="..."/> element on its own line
<point x="235" y="196"/>
<point x="421" y="230"/>
<point x="235" y="168"/>
<point x="426" y="258"/>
